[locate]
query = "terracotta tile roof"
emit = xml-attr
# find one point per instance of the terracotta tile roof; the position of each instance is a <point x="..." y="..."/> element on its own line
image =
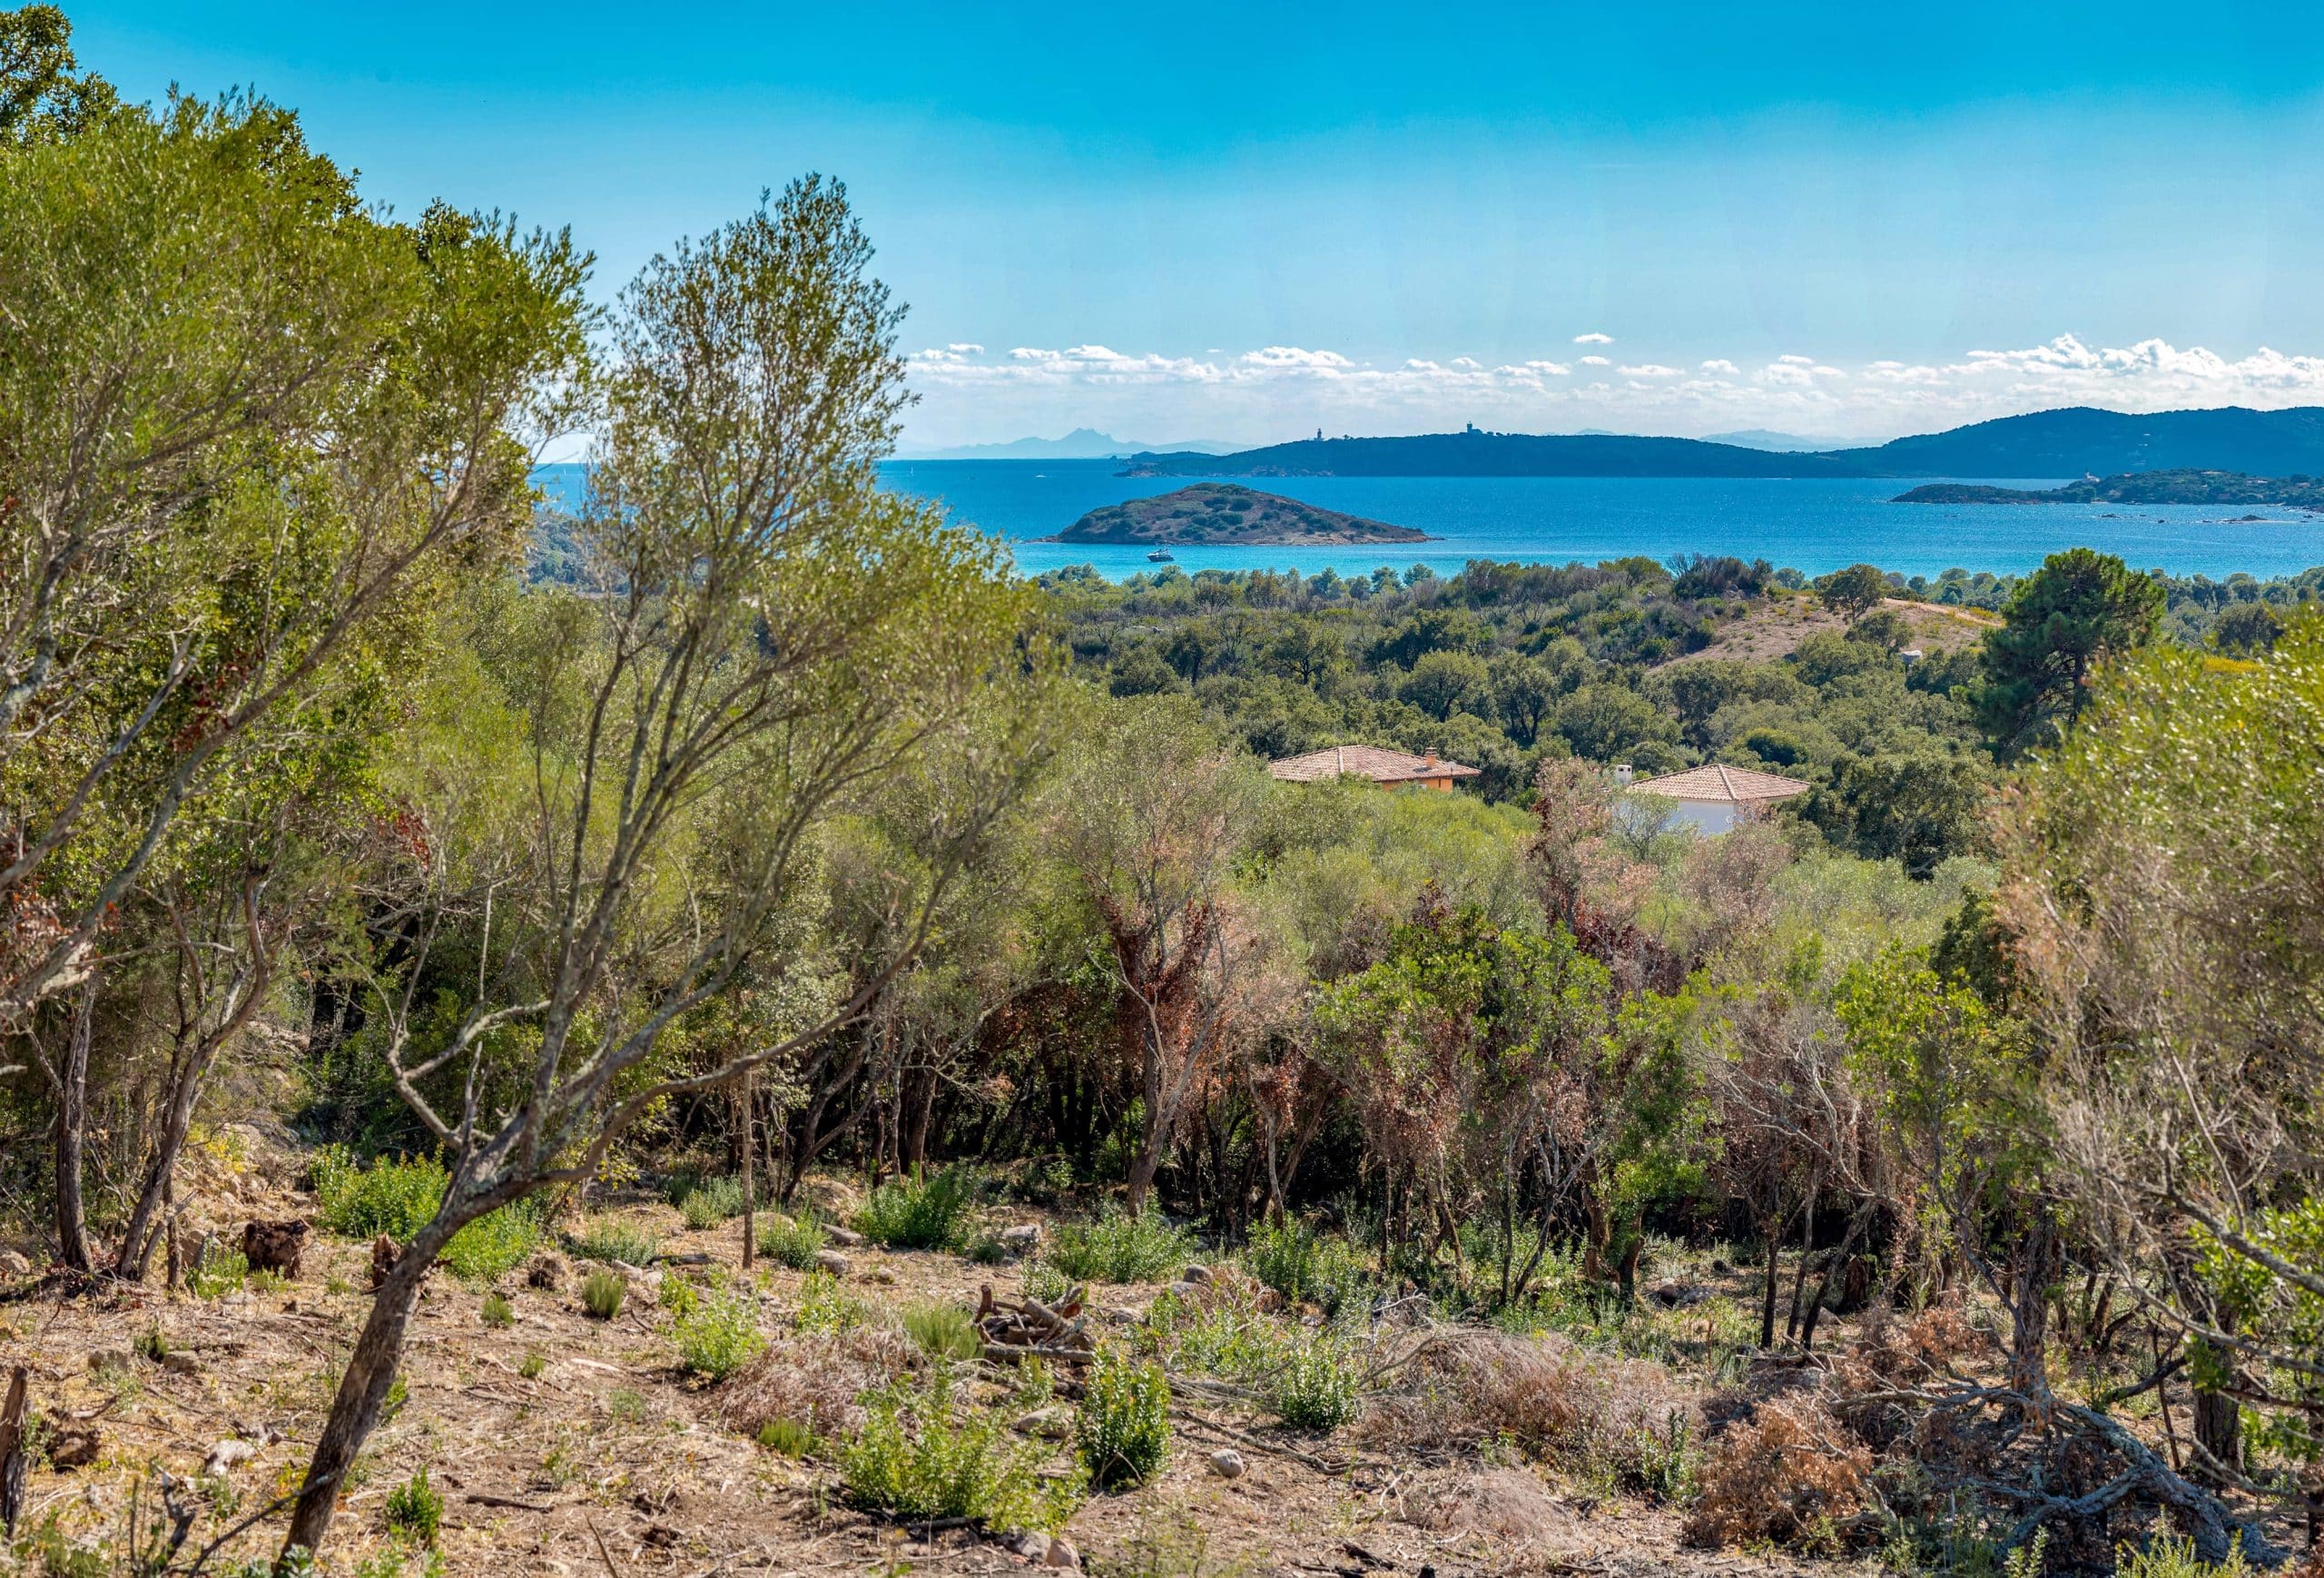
<point x="1737" y="785"/>
<point x="1366" y="762"/>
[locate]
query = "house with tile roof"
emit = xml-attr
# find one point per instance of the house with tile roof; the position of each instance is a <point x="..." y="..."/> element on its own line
<point x="1389" y="769"/>
<point x="1712" y="799"/>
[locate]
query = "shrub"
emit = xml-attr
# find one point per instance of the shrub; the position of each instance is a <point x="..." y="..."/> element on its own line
<point x="1122" y="1431"/>
<point x="496" y="1244"/>
<point x="719" y="1334"/>
<point x="1789" y="1475"/>
<point x="1304" y="1265"/>
<point x="918" y="1213"/>
<point x="1122" y="1248"/>
<point x="396" y="1197"/>
<point x="944" y="1331"/>
<point x="792" y="1241"/>
<point x="610" y="1238"/>
<point x="1044" y="1281"/>
<point x="533" y="1365"/>
<point x="914" y="1459"/>
<point x="1316" y="1389"/>
<point x="415" y="1510"/>
<point x="601" y="1294"/>
<point x="711" y="1202"/>
<point x="497" y="1312"/>
<point x="221" y="1271"/>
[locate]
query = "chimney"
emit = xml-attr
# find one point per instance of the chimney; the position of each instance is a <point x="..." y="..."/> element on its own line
<point x="1430" y="759"/>
<point x="1622" y="775"/>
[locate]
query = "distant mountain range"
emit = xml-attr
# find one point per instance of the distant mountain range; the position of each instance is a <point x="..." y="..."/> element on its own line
<point x="1081" y="444"/>
<point x="2073" y="442"/>
<point x="2166" y="486"/>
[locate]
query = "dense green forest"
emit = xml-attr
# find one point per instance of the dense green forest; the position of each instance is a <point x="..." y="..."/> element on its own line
<point x="771" y="824"/>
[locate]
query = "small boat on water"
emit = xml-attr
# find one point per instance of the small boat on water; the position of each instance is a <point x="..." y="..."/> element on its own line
<point x="1160" y="556"/>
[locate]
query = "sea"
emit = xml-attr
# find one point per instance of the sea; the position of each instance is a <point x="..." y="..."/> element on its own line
<point x="1811" y="526"/>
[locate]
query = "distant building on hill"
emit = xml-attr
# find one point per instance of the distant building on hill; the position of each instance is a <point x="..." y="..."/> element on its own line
<point x="1389" y="769"/>
<point x="1713" y="799"/>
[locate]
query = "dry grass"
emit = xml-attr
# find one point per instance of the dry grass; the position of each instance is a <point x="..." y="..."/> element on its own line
<point x="813" y="1379"/>
<point x="1593" y="1415"/>
<point x="1790" y="1476"/>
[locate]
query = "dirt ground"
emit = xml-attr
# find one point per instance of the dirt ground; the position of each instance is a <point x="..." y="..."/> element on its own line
<point x="608" y="1460"/>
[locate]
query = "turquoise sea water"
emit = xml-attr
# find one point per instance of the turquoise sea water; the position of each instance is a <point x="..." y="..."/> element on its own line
<point x="1810" y="526"/>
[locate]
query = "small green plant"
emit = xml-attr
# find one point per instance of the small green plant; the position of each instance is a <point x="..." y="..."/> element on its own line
<point x="1122" y="1248"/>
<point x="823" y="1307"/>
<point x="678" y="1294"/>
<point x="720" y="1334"/>
<point x="415" y="1510"/>
<point x="943" y="1331"/>
<point x="609" y="1239"/>
<point x="792" y="1241"/>
<point x="601" y="1294"/>
<point x="533" y="1365"/>
<point x="711" y="1201"/>
<point x="786" y="1437"/>
<point x="913" y="1456"/>
<point x="399" y="1393"/>
<point x="497" y="1312"/>
<point x="1122" y="1431"/>
<point x="265" y="1283"/>
<point x="221" y="1271"/>
<point x="626" y="1405"/>
<point x="1044" y="1281"/>
<point x="1316" y="1389"/>
<point x="151" y="1344"/>
<point x="918" y="1213"/>
<point x="2167" y="1556"/>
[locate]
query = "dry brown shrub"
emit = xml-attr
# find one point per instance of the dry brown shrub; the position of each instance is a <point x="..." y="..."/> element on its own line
<point x="1790" y="1476"/>
<point x="813" y="1379"/>
<point x="1573" y="1410"/>
<point x="1891" y="1352"/>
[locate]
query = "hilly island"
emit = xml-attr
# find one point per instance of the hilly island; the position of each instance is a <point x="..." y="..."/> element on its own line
<point x="1224" y="513"/>
<point x="2178" y="485"/>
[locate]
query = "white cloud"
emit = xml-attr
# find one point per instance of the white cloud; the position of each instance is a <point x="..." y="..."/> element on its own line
<point x="1276" y="391"/>
<point x="1593" y="340"/>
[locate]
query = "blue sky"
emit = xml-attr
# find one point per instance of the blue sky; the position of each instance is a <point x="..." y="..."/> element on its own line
<point x="1244" y="221"/>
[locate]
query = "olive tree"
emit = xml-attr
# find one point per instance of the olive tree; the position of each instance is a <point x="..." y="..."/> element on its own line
<point x="770" y="634"/>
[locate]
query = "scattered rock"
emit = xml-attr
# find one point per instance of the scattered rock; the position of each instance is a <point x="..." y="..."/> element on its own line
<point x="225" y="1455"/>
<point x="1197" y="1275"/>
<point x="1119" y="1316"/>
<point x="1676" y="1294"/>
<point x="845" y="1237"/>
<point x="71" y="1446"/>
<point x="102" y="1359"/>
<point x="275" y="1246"/>
<point x="546" y="1271"/>
<point x="1062" y="1554"/>
<point x="1720" y="1267"/>
<point x="178" y="1363"/>
<point x="1021" y="1239"/>
<point x="1030" y="1543"/>
<point x="832" y="1261"/>
<point x="1185" y="1289"/>
<point x="1226" y="1463"/>
<point x="13" y="1265"/>
<point x="1052" y="1424"/>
